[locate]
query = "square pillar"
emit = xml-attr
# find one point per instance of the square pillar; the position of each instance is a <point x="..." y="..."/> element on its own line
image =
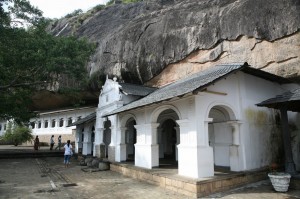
<point x="112" y="146"/>
<point x="121" y="147"/>
<point x="113" y="140"/>
<point x="235" y="152"/>
<point x="78" y="141"/>
<point x="87" y="143"/>
<point x="234" y="158"/>
<point x="194" y="160"/>
<point x="99" y="146"/>
<point x="146" y="148"/>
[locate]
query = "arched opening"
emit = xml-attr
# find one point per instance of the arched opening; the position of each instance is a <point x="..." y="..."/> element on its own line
<point x="168" y="138"/>
<point x="130" y="139"/>
<point x="220" y="135"/>
<point x="107" y="136"/>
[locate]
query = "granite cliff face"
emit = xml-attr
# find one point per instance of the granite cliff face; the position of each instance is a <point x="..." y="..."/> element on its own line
<point x="159" y="41"/>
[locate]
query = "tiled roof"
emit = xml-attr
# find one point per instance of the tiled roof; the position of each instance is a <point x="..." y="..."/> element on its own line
<point x="64" y="110"/>
<point x="184" y="86"/>
<point x="86" y="119"/>
<point x="134" y="89"/>
<point x="290" y="99"/>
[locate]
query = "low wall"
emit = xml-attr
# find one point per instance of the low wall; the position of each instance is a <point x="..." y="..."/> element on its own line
<point x="190" y="187"/>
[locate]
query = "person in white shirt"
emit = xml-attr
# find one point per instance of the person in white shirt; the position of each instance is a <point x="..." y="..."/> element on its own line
<point x="68" y="153"/>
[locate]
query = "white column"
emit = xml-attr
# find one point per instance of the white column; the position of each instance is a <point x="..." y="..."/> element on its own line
<point x="99" y="146"/>
<point x="65" y="121"/>
<point x="195" y="157"/>
<point x="177" y="129"/>
<point x="121" y="147"/>
<point x="42" y="124"/>
<point x="113" y="140"/>
<point x="87" y="142"/>
<point x="235" y="148"/>
<point x="204" y="137"/>
<point x="146" y="148"/>
<point x="57" y="123"/>
<point x="78" y="141"/>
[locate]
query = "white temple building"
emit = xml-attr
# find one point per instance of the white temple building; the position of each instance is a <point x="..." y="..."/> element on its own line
<point x="206" y="120"/>
<point x="56" y="123"/>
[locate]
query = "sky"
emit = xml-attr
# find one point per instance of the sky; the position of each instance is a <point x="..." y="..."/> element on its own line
<point x="59" y="8"/>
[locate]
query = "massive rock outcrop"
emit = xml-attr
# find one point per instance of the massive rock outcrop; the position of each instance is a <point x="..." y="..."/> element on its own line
<point x="159" y="41"/>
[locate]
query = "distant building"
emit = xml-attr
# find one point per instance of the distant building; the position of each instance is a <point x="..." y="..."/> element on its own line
<point x="56" y="123"/>
<point x="3" y="125"/>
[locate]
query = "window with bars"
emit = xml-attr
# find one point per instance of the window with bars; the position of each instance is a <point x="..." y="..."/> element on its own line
<point x="46" y="124"/>
<point x="53" y="123"/>
<point x="61" y="122"/>
<point x="69" y="121"/>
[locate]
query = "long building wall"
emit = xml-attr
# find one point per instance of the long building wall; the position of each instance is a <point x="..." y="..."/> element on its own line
<point x="54" y="123"/>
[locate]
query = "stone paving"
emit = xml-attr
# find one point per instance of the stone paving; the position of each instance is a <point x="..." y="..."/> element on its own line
<point x="47" y="178"/>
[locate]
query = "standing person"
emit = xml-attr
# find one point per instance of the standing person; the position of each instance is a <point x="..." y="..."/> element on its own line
<point x="52" y="142"/>
<point x="59" y="143"/>
<point x="36" y="143"/>
<point x="68" y="153"/>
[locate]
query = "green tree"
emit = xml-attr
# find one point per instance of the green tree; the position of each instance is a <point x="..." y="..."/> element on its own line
<point x="17" y="134"/>
<point x="32" y="59"/>
<point x="74" y="13"/>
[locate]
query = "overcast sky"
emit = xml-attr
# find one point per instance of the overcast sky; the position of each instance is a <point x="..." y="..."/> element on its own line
<point x="59" y="8"/>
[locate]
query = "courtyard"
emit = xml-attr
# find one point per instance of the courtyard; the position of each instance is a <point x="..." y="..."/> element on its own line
<point x="46" y="177"/>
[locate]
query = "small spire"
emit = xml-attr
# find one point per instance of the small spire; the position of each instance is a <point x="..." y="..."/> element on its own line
<point x="106" y="77"/>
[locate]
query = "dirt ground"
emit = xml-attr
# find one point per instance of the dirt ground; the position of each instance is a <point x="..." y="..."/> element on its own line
<point x="47" y="178"/>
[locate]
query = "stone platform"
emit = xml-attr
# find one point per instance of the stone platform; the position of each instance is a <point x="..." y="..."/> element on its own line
<point x="168" y="178"/>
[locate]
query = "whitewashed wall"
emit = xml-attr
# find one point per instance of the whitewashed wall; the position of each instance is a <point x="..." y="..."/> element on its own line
<point x="3" y="125"/>
<point x="74" y="114"/>
<point x="258" y="132"/>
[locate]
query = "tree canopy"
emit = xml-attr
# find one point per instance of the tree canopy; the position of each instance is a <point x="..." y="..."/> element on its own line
<point x="31" y="59"/>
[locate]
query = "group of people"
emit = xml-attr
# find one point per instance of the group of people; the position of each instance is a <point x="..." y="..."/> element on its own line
<point x="68" y="148"/>
<point x="36" y="145"/>
<point x="58" y="142"/>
